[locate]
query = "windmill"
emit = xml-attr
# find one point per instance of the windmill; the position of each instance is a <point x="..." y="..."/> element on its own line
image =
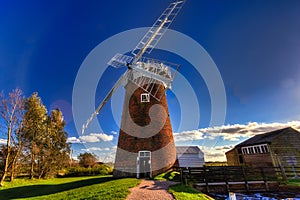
<point x="145" y="145"/>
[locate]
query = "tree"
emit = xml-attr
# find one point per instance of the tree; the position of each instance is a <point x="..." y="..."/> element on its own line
<point x="18" y="144"/>
<point x="34" y="127"/>
<point x="11" y="113"/>
<point x="87" y="159"/>
<point x="54" y="153"/>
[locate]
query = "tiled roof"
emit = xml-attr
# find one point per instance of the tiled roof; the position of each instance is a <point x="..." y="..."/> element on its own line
<point x="265" y="137"/>
<point x="187" y="150"/>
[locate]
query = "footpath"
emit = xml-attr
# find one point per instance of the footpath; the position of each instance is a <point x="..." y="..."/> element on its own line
<point x="151" y="190"/>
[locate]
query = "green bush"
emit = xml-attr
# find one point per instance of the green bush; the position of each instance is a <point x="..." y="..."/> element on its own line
<point x="91" y="171"/>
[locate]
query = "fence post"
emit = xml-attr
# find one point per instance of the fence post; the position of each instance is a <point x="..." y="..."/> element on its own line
<point x="205" y="179"/>
<point x="264" y="178"/>
<point x="245" y="178"/>
<point x="186" y="172"/>
<point x="186" y="179"/>
<point x="181" y="175"/>
<point x="281" y="168"/>
<point x="225" y="178"/>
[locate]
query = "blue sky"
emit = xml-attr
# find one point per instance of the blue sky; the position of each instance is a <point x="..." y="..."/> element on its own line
<point x="254" y="44"/>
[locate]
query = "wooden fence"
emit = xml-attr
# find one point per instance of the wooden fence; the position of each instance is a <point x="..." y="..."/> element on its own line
<point x="236" y="178"/>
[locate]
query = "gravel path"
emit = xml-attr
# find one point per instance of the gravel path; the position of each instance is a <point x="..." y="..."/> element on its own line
<point x="151" y="190"/>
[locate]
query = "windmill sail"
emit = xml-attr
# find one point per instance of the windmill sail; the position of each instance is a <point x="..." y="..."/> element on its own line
<point x="107" y="97"/>
<point x="120" y="60"/>
<point x="151" y="38"/>
<point x="144" y="72"/>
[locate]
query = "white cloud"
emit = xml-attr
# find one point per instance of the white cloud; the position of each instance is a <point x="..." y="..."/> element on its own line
<point x="233" y="132"/>
<point x="188" y="135"/>
<point x="3" y="141"/>
<point x="114" y="132"/>
<point x="96" y="137"/>
<point x="73" y="140"/>
<point x="89" y="138"/>
<point x="215" y="153"/>
<point x="93" y="137"/>
<point x="103" y="136"/>
<point x="104" y="154"/>
<point x="96" y="149"/>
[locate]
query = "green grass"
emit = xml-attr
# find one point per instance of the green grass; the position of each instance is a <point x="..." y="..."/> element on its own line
<point x="295" y="182"/>
<point x="182" y="192"/>
<point x="171" y="176"/>
<point x="96" y="187"/>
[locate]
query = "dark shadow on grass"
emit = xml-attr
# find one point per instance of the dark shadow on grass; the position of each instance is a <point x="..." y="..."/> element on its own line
<point x="40" y="189"/>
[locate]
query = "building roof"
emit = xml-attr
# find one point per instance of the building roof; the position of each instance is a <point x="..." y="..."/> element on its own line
<point x="265" y="137"/>
<point x="189" y="156"/>
<point x="188" y="150"/>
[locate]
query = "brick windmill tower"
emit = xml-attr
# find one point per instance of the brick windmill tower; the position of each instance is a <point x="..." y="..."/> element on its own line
<point x="145" y="145"/>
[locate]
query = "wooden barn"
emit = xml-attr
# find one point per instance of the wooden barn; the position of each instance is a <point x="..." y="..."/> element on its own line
<point x="189" y="156"/>
<point x="276" y="148"/>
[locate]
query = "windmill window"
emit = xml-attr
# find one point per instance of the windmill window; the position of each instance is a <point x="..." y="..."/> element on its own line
<point x="145" y="97"/>
<point x="144" y="154"/>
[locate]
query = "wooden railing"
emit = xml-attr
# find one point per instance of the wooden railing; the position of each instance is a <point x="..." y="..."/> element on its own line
<point x="237" y="177"/>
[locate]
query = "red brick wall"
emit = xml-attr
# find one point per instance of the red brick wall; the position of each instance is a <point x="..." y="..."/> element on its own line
<point x="258" y="160"/>
<point x="160" y="143"/>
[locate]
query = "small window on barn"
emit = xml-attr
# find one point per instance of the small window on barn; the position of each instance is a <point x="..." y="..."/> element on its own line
<point x="244" y="151"/>
<point x="257" y="149"/>
<point x="265" y="148"/>
<point x="145" y="97"/>
<point x="261" y="148"/>
<point x="251" y="150"/>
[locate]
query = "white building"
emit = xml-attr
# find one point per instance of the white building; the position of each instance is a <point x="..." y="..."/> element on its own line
<point x="190" y="156"/>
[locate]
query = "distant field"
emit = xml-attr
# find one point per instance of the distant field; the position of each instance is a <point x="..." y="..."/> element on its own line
<point x="96" y="187"/>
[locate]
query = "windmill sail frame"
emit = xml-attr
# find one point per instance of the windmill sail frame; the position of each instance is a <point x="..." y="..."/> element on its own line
<point x="157" y="72"/>
<point x="149" y="72"/>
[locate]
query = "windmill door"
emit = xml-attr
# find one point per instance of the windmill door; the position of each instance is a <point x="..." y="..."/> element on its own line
<point x="144" y="164"/>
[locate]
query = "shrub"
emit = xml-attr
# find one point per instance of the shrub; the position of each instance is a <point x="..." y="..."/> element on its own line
<point x="91" y="171"/>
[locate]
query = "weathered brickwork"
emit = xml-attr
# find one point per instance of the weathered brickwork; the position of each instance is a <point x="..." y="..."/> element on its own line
<point x="139" y="133"/>
<point x="232" y="157"/>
